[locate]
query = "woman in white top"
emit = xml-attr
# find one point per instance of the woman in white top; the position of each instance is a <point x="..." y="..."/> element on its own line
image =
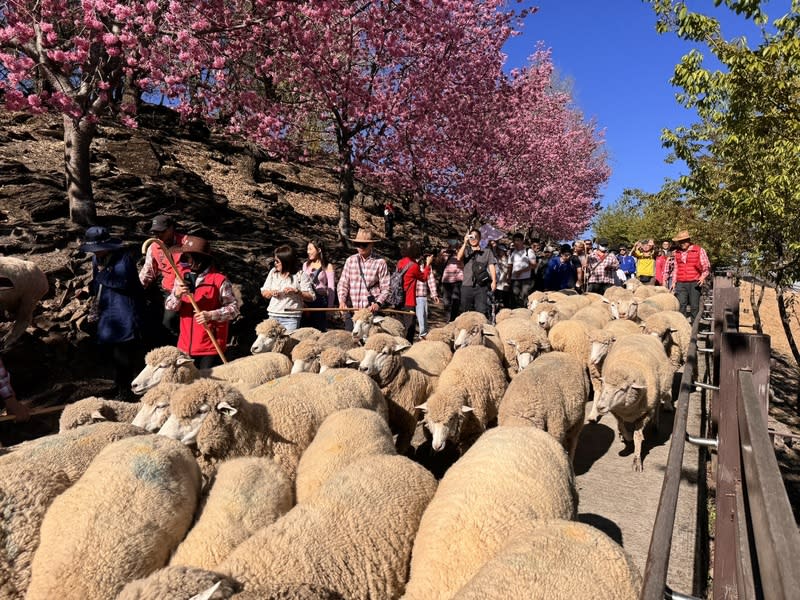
<point x="286" y="288"/>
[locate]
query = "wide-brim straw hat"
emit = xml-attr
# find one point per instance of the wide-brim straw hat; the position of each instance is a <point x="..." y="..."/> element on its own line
<point x="365" y="236"/>
<point x="196" y="245"/>
<point x="682" y="235"/>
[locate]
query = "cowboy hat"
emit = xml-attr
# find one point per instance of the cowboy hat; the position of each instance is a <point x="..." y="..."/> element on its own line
<point x="195" y="245"/>
<point x="682" y="235"/>
<point x="365" y="236"/>
<point x="98" y="239"/>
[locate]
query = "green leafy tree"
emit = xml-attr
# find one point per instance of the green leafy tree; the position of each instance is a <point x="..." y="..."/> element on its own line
<point x="742" y="153"/>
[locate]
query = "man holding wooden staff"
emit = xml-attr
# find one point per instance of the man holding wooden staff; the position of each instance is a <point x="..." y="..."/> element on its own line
<point x="217" y="305"/>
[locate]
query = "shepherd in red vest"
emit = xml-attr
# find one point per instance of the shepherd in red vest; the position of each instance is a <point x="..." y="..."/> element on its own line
<point x="692" y="268"/>
<point x="213" y="293"/>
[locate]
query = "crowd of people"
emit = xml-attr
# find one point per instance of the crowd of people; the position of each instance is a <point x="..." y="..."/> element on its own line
<point x="196" y="302"/>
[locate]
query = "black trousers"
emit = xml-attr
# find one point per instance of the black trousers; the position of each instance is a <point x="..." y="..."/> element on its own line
<point x="474" y="298"/>
<point x="688" y="294"/>
<point x="207" y="361"/>
<point x="127" y="359"/>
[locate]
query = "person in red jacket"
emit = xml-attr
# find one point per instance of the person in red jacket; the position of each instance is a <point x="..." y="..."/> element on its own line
<point x="411" y="252"/>
<point x="692" y="268"/>
<point x="213" y="293"/>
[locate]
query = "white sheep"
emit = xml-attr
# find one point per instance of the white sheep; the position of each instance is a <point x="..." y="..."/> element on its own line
<point x="93" y="409"/>
<point x="246" y="495"/>
<point x="595" y="316"/>
<point x="510" y="477"/>
<point x="22" y="285"/>
<point x="537" y="298"/>
<point x="33" y="474"/>
<point x="170" y="365"/>
<point x="306" y="355"/>
<point x="367" y="323"/>
<point x="550" y="394"/>
<point x="120" y="520"/>
<point x="405" y="380"/>
<point x="214" y="417"/>
<point x="619" y="328"/>
<point x="466" y="398"/>
<point x="298" y="404"/>
<point x="523" y="341"/>
<point x="507" y="313"/>
<point x="353" y="537"/>
<point x="472" y="329"/>
<point x="334" y="357"/>
<point x="343" y="438"/>
<point x="655" y="304"/>
<point x="271" y="336"/>
<point x="674" y="331"/>
<point x="588" y="345"/>
<point x="554" y="558"/>
<point x="637" y="378"/>
<point x="621" y="302"/>
<point x="154" y="408"/>
<point x="445" y="333"/>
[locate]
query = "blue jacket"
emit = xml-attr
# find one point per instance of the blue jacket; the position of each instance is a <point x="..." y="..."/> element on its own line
<point x="559" y="275"/>
<point x="628" y="264"/>
<point x="121" y="301"/>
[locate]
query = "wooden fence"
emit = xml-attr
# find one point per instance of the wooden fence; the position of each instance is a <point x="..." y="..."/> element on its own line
<point x="756" y="541"/>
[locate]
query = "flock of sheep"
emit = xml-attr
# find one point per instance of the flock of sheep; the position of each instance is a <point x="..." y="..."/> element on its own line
<point x="290" y="474"/>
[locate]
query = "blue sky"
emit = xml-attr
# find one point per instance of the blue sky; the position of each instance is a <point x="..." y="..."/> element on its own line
<point x="620" y="70"/>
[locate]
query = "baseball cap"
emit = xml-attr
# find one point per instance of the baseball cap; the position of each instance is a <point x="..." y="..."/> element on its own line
<point x="161" y="223"/>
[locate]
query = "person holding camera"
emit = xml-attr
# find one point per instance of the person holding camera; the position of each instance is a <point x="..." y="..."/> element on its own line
<point x="644" y="252"/>
<point x="364" y="282"/>
<point x="480" y="273"/>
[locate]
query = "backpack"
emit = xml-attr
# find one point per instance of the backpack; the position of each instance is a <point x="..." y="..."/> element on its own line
<point x="397" y="292"/>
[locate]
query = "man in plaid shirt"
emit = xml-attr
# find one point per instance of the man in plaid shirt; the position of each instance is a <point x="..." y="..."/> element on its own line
<point x="9" y="398"/>
<point x="365" y="278"/>
<point x="600" y="268"/>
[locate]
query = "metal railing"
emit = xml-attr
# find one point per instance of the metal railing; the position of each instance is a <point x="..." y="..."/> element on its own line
<point x="756" y="541"/>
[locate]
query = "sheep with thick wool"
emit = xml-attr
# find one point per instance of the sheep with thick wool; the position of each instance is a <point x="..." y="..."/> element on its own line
<point x="655" y="304"/>
<point x="508" y="313"/>
<point x="523" y="341"/>
<point x="367" y="323"/>
<point x="247" y="494"/>
<point x="154" y="408"/>
<point x="353" y="537"/>
<point x="509" y="478"/>
<point x="169" y="365"/>
<point x="343" y="438"/>
<point x="637" y="379"/>
<point x="551" y="395"/>
<point x="215" y="419"/>
<point x="557" y="559"/>
<point x="334" y="357"/>
<point x="405" y="380"/>
<point x="306" y="355"/>
<point x="472" y="329"/>
<point x="587" y="344"/>
<point x="271" y="336"/>
<point x="445" y="333"/>
<point x="619" y="328"/>
<point x="466" y="398"/>
<point x="93" y="409"/>
<point x="547" y="315"/>
<point x="298" y="404"/>
<point x="22" y="285"/>
<point x="119" y="522"/>
<point x="674" y="331"/>
<point x="594" y="316"/>
<point x="33" y="474"/>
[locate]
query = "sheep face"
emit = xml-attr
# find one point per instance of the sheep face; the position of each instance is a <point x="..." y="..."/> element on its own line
<point x="380" y="357"/>
<point x="599" y="350"/>
<point x="444" y="423"/>
<point x="305" y="357"/>
<point x="472" y="336"/>
<point x="524" y="353"/>
<point x="618" y="396"/>
<point x="624" y="308"/>
<point x="204" y="406"/>
<point x="548" y="318"/>
<point x="176" y="368"/>
<point x="152" y="416"/>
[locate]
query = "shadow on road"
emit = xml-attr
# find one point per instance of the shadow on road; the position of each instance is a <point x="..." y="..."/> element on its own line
<point x="607" y="526"/>
<point x="594" y="442"/>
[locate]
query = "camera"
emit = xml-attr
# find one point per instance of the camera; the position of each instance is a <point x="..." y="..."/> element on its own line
<point x="371" y="299"/>
<point x="471" y="236"/>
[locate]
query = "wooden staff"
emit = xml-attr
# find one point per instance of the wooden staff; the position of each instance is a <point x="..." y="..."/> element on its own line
<point x="178" y="274"/>
<point x="383" y="310"/>
<point x="35" y="412"/>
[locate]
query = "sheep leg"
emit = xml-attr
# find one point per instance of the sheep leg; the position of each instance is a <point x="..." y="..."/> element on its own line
<point x="624" y="434"/>
<point x="666" y="401"/>
<point x="571" y="441"/>
<point x="638" y="438"/>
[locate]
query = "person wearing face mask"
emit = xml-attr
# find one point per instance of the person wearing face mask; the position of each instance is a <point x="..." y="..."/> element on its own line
<point x="213" y="293"/>
<point x="600" y="268"/>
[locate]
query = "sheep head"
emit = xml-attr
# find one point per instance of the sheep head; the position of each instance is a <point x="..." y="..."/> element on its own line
<point x="601" y="342"/>
<point x="618" y="395"/>
<point x="305" y="357"/>
<point x="381" y="357"/>
<point x="444" y="415"/>
<point x="155" y="407"/>
<point x="268" y="333"/>
<point x="167" y="364"/>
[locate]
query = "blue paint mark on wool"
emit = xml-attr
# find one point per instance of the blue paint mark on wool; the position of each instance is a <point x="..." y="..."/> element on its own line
<point x="146" y="468"/>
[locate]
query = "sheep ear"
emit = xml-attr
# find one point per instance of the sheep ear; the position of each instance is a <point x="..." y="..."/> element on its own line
<point x="512" y="343"/>
<point x="423" y="407"/>
<point x="606" y="300"/>
<point x="352" y="361"/>
<point x="401" y="345"/>
<point x="226" y="409"/>
<point x="377" y="319"/>
<point x="97" y="416"/>
<point x="673" y="329"/>
<point x="182" y="360"/>
<point x="487" y="331"/>
<point x="466" y="409"/>
<point x="642" y="326"/>
<point x="206" y="594"/>
<point x="637" y="386"/>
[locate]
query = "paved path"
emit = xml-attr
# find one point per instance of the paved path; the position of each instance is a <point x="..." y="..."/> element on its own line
<point x="623" y="503"/>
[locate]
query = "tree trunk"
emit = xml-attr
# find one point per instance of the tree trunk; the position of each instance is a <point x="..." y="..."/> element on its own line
<point x="787" y="326"/>
<point x="347" y="192"/>
<point x="755" y="306"/>
<point x="77" y="143"/>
